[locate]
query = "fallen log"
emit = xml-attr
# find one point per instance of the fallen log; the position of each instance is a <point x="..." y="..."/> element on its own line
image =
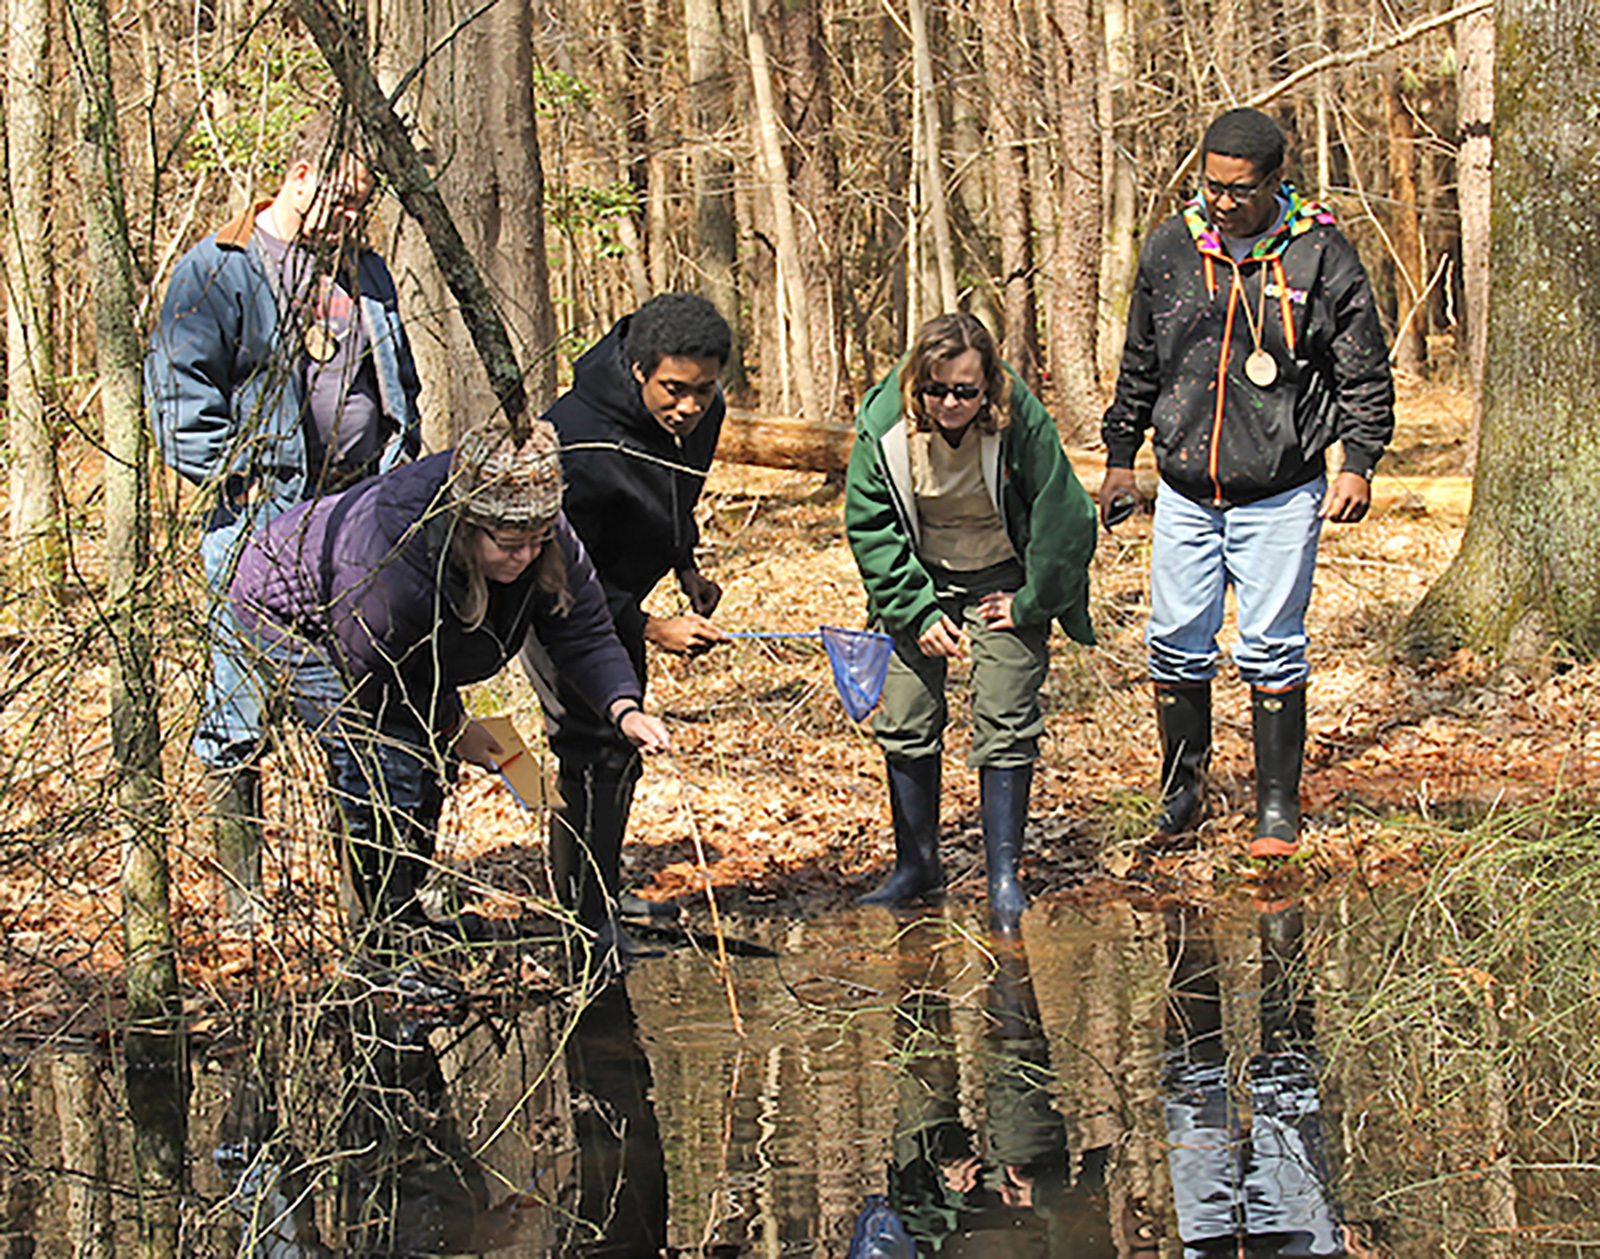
<point x="769" y="441"/>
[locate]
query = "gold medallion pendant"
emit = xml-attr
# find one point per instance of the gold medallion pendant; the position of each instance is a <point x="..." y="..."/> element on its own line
<point x="322" y="345"/>
<point x="1261" y="369"/>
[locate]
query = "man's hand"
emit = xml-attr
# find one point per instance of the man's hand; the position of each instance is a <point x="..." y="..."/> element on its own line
<point x="1118" y="483"/>
<point x="1347" y="499"/>
<point x="647" y="733"/>
<point x="995" y="609"/>
<point x="688" y="635"/>
<point x="477" y="746"/>
<point x="942" y="638"/>
<point x="703" y="593"/>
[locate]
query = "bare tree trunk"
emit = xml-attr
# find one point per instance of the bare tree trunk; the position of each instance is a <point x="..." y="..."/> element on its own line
<point x="154" y="1011"/>
<point x="777" y="184"/>
<point x="1119" y="255"/>
<point x="394" y="156"/>
<point x="814" y="175"/>
<point x="1475" y="114"/>
<point x="1528" y="571"/>
<point x="81" y="1107"/>
<point x="1411" y="348"/>
<point x="657" y="131"/>
<point x="933" y="167"/>
<point x="1322" y="26"/>
<point x="476" y="105"/>
<point x="35" y="558"/>
<point x="716" y="230"/>
<point x="1075" y="259"/>
<point x="1006" y="72"/>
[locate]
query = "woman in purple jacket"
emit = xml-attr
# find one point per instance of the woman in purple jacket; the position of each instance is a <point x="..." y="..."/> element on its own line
<point x="372" y="608"/>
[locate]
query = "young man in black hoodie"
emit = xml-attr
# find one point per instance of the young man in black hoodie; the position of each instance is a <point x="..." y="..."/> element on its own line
<point x="638" y="431"/>
<point x="1253" y="345"/>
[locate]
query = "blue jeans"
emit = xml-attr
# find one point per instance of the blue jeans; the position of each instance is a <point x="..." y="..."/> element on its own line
<point x="386" y="775"/>
<point x="1267" y="551"/>
<point x="228" y="733"/>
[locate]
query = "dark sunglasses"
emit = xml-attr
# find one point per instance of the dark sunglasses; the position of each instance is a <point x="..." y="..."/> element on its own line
<point x="938" y="389"/>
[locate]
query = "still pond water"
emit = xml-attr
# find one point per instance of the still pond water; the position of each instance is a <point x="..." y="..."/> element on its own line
<point x="1120" y="1080"/>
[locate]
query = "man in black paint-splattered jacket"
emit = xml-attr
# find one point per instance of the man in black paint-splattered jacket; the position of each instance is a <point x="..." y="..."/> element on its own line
<point x="1253" y="345"/>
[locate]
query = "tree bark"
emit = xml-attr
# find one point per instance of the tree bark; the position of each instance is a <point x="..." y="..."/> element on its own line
<point x="716" y="238"/>
<point x="475" y="103"/>
<point x="1528" y="572"/>
<point x="776" y="179"/>
<point x="153" y="1007"/>
<point x="35" y="558"/>
<point x="933" y="165"/>
<point x="1075" y="259"/>
<point x="814" y="176"/>
<point x="1119" y="255"/>
<point x="392" y="154"/>
<point x="1006" y="67"/>
<point x="765" y="441"/>
<point x="1475" y="115"/>
<point x="1405" y="231"/>
<point x="81" y="1099"/>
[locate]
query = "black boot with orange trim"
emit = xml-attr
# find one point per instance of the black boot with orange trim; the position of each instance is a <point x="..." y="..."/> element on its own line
<point x="1278" y="720"/>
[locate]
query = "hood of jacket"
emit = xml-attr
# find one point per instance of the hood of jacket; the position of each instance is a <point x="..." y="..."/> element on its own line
<point x="1303" y="215"/>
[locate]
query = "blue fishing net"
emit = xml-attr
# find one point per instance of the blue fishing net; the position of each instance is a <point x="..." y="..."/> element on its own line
<point x="860" y="660"/>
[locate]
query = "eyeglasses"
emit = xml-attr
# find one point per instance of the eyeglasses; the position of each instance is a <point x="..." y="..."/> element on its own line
<point x="520" y="542"/>
<point x="1238" y="193"/>
<point x="938" y="389"/>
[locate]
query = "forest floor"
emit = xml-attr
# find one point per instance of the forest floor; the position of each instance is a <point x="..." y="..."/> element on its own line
<point x="780" y="798"/>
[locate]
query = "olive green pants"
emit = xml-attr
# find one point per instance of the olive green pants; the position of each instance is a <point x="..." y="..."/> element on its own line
<point x="1008" y="668"/>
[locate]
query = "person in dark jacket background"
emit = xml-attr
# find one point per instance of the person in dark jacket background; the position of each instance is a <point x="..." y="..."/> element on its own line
<point x="1253" y="345"/>
<point x="638" y="431"/>
<point x="373" y="607"/>
<point x="279" y="370"/>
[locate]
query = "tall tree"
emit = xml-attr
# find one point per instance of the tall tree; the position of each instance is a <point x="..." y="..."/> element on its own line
<point x="1474" y="116"/>
<point x="932" y="172"/>
<point x="1405" y="231"/>
<point x="716" y="236"/>
<point x="1528" y="570"/>
<point x="154" y="1011"/>
<point x="36" y="557"/>
<point x="775" y="173"/>
<point x="474" y="100"/>
<point x="1006" y="67"/>
<point x="1075" y="257"/>
<point x="807" y="102"/>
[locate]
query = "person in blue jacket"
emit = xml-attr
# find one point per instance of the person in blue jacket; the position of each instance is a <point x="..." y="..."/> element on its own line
<point x="371" y="609"/>
<point x="278" y="371"/>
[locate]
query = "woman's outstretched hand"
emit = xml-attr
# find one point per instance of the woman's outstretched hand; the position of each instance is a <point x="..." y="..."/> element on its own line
<point x="647" y="733"/>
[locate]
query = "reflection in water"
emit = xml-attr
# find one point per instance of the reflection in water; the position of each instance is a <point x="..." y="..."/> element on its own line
<point x="359" y="1127"/>
<point x="409" y="1183"/>
<point x="1010" y="1188"/>
<point x="1254" y="1184"/>
<point x="620" y="1206"/>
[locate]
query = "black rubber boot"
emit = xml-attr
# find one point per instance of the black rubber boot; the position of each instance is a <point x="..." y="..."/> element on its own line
<point x="586" y="836"/>
<point x="914" y="807"/>
<point x="1003" y="803"/>
<point x="1183" y="713"/>
<point x="1278" y="720"/>
<point x="235" y="796"/>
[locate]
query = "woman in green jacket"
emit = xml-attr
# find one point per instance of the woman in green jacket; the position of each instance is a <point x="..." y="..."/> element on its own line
<point x="972" y="534"/>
